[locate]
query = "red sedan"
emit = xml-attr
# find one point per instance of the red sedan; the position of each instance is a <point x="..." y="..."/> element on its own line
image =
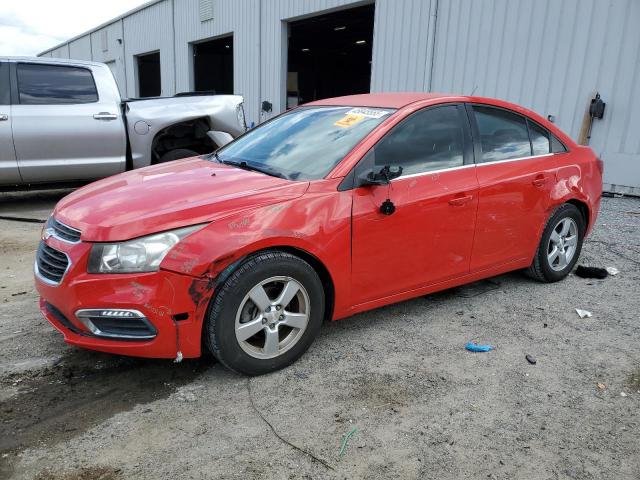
<point x="336" y="207"/>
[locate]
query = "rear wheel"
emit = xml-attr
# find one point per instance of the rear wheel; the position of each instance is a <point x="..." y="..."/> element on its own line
<point x="560" y="245"/>
<point x="266" y="314"/>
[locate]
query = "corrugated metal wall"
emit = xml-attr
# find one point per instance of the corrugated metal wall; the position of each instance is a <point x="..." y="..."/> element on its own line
<point x="107" y="45"/>
<point x="146" y="31"/>
<point x="402" y="45"/>
<point x="547" y="55"/>
<point x="239" y="18"/>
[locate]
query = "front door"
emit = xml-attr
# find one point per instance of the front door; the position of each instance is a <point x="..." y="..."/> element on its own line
<point x="9" y="174"/>
<point x="62" y="129"/>
<point x="428" y="238"/>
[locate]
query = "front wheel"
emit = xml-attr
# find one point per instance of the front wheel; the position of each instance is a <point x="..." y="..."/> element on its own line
<point x="266" y="314"/>
<point x="560" y="245"/>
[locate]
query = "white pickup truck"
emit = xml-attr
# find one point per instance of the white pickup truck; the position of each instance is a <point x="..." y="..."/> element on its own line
<point x="64" y="121"/>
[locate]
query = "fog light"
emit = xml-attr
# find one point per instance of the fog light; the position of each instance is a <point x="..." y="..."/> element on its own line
<point x="116" y="323"/>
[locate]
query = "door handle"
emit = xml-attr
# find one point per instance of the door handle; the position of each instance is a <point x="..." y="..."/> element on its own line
<point x="459" y="201"/>
<point x="4" y="117"/>
<point x="539" y="181"/>
<point x="105" y="116"/>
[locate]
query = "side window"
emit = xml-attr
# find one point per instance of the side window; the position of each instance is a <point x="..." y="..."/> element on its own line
<point x="54" y="84"/>
<point x="430" y="139"/>
<point x="503" y="135"/>
<point x="557" y="146"/>
<point x="539" y="139"/>
<point x="4" y="84"/>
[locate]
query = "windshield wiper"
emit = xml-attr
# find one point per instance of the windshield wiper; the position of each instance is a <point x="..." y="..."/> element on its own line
<point x="245" y="166"/>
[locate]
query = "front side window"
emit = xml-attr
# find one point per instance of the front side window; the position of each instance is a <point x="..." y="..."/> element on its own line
<point x="55" y="84"/>
<point x="503" y="135"/>
<point x="430" y="139"/>
<point x="304" y="144"/>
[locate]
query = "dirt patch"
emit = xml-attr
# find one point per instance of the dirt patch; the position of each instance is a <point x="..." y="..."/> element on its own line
<point x="633" y="382"/>
<point x="56" y="403"/>
<point x="90" y="473"/>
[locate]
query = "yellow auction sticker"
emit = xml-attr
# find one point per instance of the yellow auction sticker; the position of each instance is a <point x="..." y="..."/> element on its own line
<point x="349" y="120"/>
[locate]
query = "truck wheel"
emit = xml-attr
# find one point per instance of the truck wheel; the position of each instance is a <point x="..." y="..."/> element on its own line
<point x="177" y="154"/>
<point x="266" y="314"/>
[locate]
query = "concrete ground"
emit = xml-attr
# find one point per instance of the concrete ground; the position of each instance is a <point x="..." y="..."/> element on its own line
<point x="398" y="379"/>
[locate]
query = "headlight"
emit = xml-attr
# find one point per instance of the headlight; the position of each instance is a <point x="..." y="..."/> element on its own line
<point x="241" y="120"/>
<point x="142" y="254"/>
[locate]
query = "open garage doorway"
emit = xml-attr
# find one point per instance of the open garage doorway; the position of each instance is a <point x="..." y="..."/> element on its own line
<point x="148" y="66"/>
<point x="330" y="55"/>
<point x="213" y="66"/>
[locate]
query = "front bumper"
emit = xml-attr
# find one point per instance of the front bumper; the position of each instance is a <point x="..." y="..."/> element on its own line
<point x="175" y="304"/>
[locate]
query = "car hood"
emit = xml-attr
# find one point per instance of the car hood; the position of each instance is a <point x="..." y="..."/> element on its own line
<point x="166" y="196"/>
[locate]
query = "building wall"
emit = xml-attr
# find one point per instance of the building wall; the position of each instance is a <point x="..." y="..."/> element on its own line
<point x="107" y="45"/>
<point x="240" y="18"/>
<point x="149" y="30"/>
<point x="547" y="55"/>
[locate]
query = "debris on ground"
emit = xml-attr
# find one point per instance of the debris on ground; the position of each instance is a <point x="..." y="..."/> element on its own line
<point x="531" y="359"/>
<point x="622" y="394"/>
<point x="473" y="347"/>
<point x="583" y="313"/>
<point x="345" y="440"/>
<point x="18" y="293"/>
<point x="591" y="272"/>
<point x="612" y="270"/>
<point x="601" y="386"/>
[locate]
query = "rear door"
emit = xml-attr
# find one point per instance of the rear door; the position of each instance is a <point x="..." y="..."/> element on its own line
<point x="428" y="238"/>
<point x="516" y="173"/>
<point x="9" y="174"/>
<point x="64" y="128"/>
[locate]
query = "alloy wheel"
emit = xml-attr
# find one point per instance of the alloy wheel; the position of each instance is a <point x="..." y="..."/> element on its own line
<point x="272" y="317"/>
<point x="562" y="244"/>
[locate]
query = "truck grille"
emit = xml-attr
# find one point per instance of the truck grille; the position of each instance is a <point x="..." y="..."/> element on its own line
<point x="51" y="265"/>
<point x="63" y="232"/>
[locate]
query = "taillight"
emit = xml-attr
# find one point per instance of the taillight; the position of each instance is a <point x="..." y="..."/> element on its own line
<point x="600" y="164"/>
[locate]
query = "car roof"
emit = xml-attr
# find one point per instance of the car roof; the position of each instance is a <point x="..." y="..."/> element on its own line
<point x="49" y="60"/>
<point x="383" y="100"/>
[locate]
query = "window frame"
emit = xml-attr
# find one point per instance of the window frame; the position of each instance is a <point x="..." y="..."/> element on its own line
<point x="366" y="161"/>
<point x="477" y="142"/>
<point x="15" y="83"/>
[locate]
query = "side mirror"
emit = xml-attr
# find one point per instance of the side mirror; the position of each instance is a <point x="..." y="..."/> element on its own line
<point x="382" y="177"/>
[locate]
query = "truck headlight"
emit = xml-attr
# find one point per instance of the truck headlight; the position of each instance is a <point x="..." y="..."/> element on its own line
<point x="142" y="254"/>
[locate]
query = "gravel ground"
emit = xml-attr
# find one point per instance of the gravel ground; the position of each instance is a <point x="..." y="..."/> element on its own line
<point x="418" y="404"/>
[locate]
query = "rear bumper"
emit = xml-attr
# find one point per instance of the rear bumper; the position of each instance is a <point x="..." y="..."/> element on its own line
<point x="173" y="303"/>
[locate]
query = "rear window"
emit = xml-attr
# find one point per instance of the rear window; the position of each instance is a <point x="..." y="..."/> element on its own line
<point x="503" y="135"/>
<point x="55" y="84"/>
<point x="540" y="143"/>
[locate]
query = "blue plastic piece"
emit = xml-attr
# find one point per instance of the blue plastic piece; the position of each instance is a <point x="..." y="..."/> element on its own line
<point x="472" y="347"/>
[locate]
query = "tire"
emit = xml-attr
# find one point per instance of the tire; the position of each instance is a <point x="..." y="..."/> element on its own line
<point x="234" y="314"/>
<point x="548" y="264"/>
<point x="177" y="154"/>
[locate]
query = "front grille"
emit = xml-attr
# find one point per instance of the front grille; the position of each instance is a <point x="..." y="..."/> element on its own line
<point x="64" y="232"/>
<point x="51" y="265"/>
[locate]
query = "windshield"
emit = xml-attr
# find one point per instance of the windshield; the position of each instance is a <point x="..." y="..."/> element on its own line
<point x="304" y="144"/>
